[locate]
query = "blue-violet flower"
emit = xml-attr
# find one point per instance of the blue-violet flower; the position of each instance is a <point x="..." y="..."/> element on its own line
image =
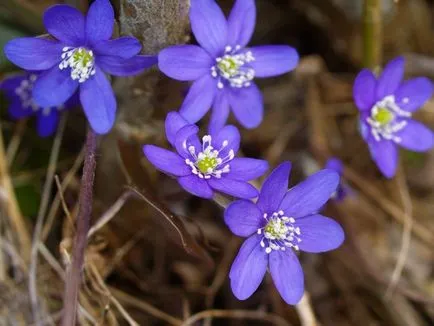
<point x="386" y="105"/>
<point x="202" y="167"/>
<point x="222" y="68"/>
<point x="18" y="91"/>
<point x="343" y="189"/>
<point x="281" y="222"/>
<point x="78" y="58"/>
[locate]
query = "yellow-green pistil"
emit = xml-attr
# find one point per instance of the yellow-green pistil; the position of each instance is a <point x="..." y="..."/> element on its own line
<point x="83" y="57"/>
<point x="207" y="164"/>
<point x="383" y="116"/>
<point x="276" y="228"/>
<point x="229" y="66"/>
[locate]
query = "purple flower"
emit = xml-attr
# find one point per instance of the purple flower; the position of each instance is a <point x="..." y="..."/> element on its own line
<point x="18" y="91"/>
<point x="386" y="105"/>
<point x="343" y="189"/>
<point x="203" y="167"/>
<point x="222" y="68"/>
<point x="281" y="222"/>
<point x="78" y="58"/>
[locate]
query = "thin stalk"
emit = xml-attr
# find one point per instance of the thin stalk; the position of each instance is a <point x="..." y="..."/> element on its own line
<point x="73" y="279"/>
<point x="372" y="34"/>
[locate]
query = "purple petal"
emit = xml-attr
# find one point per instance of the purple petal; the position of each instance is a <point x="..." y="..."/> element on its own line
<point x="364" y="90"/>
<point x="199" y="99"/>
<point x="47" y="123"/>
<point x="219" y="113"/>
<point x="65" y="23"/>
<point x="118" y="66"/>
<point x="99" y="102"/>
<point x="385" y="155"/>
<point x="319" y="234"/>
<point x="416" y="136"/>
<point x="274" y="189"/>
<point x="54" y="87"/>
<point x="273" y="60"/>
<point x="99" y="21"/>
<point x="209" y="26"/>
<point x="310" y="195"/>
<point x="33" y="53"/>
<point x="390" y="78"/>
<point x="185" y="62"/>
<point x="241" y="22"/>
<point x="239" y="189"/>
<point x="227" y="135"/>
<point x="17" y="111"/>
<point x="125" y="47"/>
<point x="246" y="169"/>
<point x="10" y="84"/>
<point x="334" y="164"/>
<point x="185" y="138"/>
<point x="247" y="105"/>
<point x="248" y="268"/>
<point x="196" y="186"/>
<point x="174" y="122"/>
<point x="243" y="218"/>
<point x="413" y="93"/>
<point x="287" y="275"/>
<point x="166" y="161"/>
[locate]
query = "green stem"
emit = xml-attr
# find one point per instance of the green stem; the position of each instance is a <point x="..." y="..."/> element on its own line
<point x="372" y="34"/>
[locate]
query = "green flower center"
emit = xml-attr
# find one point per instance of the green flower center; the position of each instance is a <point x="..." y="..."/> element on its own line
<point x="383" y="116"/>
<point x="207" y="164"/>
<point x="83" y="57"/>
<point x="80" y="61"/>
<point x="276" y="228"/>
<point x="229" y="66"/>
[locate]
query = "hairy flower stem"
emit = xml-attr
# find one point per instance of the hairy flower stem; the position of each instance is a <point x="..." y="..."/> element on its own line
<point x="372" y="34"/>
<point x="70" y="299"/>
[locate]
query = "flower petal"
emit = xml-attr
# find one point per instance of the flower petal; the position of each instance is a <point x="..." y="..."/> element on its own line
<point x="219" y="113"/>
<point x="100" y="21"/>
<point x="227" y="135"/>
<point x="274" y="189"/>
<point x="17" y="111"/>
<point x="99" y="102"/>
<point x="65" y="23"/>
<point x="413" y="93"/>
<point x="118" y="66"/>
<point x="174" y="122"/>
<point x="239" y="189"/>
<point x="209" y="26"/>
<point x="10" y="84"/>
<point x="241" y="22"/>
<point x="243" y="218"/>
<point x="199" y="99"/>
<point x="125" y="47"/>
<point x="185" y="138"/>
<point x="416" y="136"/>
<point x="248" y="268"/>
<point x="334" y="164"/>
<point x="33" y="53"/>
<point x="273" y="60"/>
<point x="390" y="78"/>
<point x="364" y="90"/>
<point x="185" y="62"/>
<point x="247" y="105"/>
<point x="310" y="195"/>
<point x="166" y="161"/>
<point x="196" y="186"/>
<point x="385" y="155"/>
<point x="47" y="123"/>
<point x="319" y="233"/>
<point x="54" y="87"/>
<point x="287" y="275"/>
<point x="246" y="169"/>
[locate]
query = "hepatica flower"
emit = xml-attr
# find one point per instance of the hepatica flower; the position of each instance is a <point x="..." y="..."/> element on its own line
<point x="78" y="57"/>
<point x="203" y="166"/>
<point x="18" y="91"/>
<point x="386" y="105"/>
<point x="343" y="189"/>
<point x="281" y="223"/>
<point x="222" y="67"/>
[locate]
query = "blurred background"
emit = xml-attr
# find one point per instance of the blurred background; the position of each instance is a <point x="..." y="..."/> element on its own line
<point x="158" y="256"/>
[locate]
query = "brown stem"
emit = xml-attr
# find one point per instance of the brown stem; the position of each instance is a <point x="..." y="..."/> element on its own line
<point x="73" y="280"/>
<point x="372" y="34"/>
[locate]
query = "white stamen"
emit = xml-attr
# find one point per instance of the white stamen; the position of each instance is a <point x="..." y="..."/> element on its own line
<point x="80" y="60"/>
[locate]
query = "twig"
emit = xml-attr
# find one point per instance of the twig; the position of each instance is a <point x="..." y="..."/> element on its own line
<point x="406" y="234"/>
<point x="305" y="311"/>
<point x="15" y="142"/>
<point x="372" y="34"/>
<point x="73" y="279"/>
<point x="237" y="314"/>
<point x="12" y="208"/>
<point x="33" y="291"/>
